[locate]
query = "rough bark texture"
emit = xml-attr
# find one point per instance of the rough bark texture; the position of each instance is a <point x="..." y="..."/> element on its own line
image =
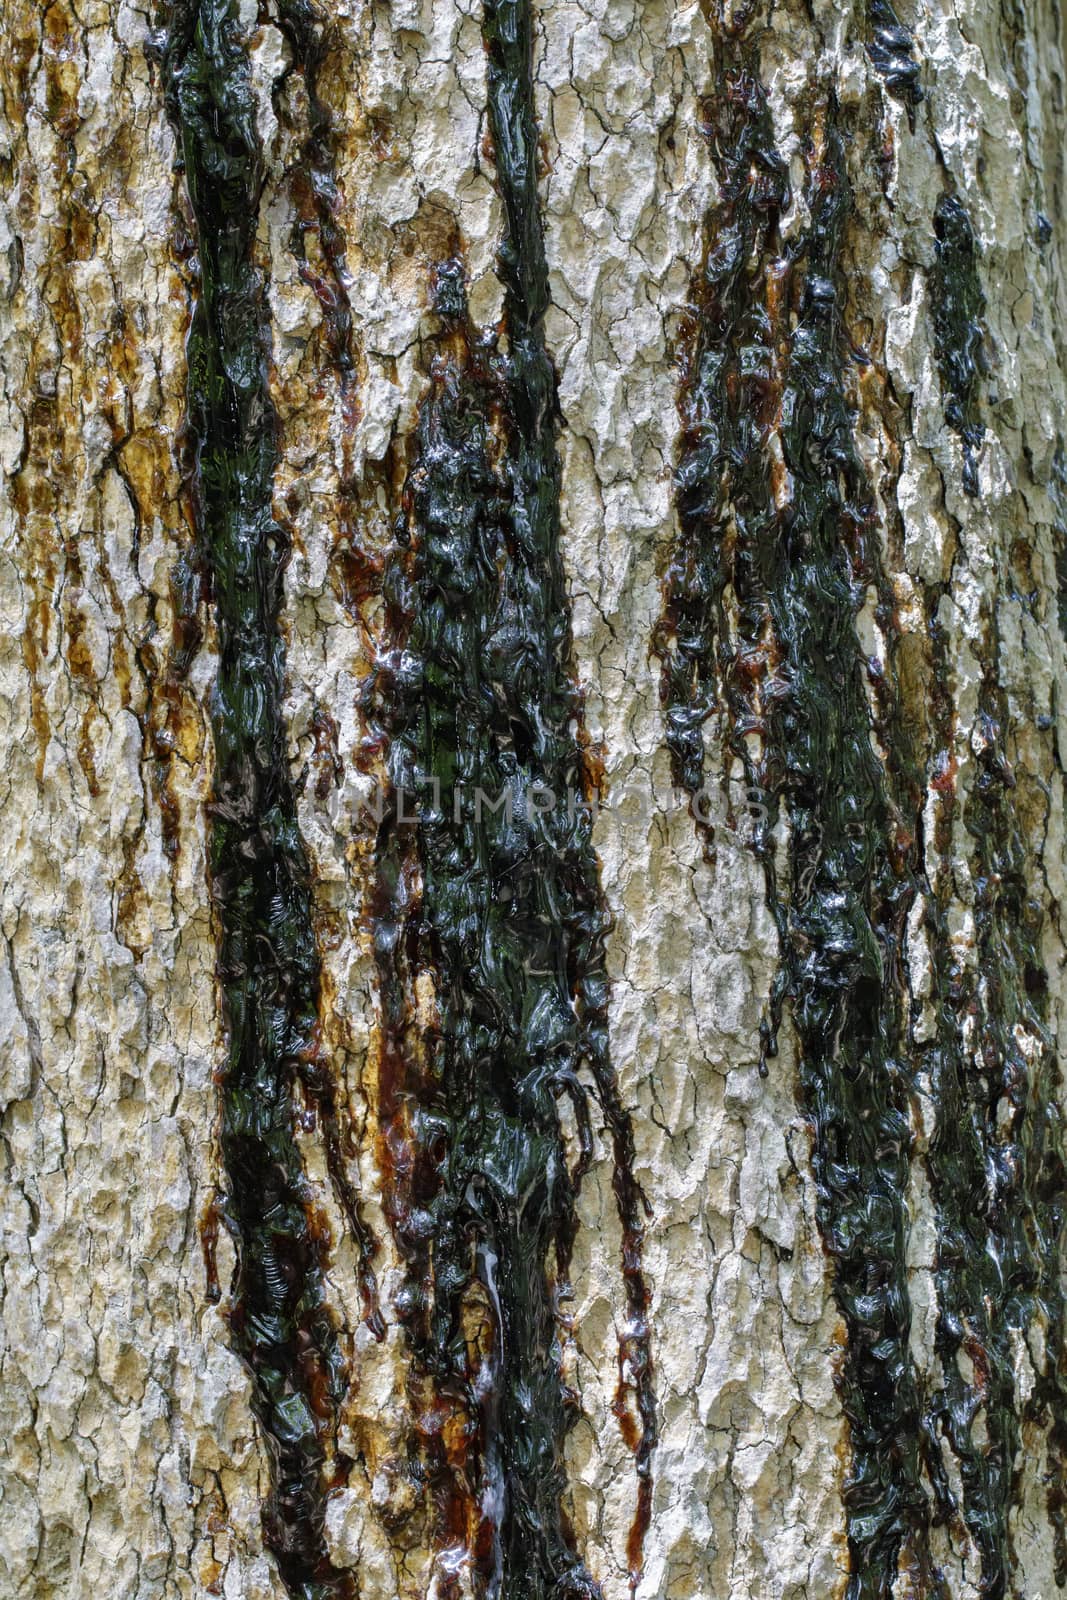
<point x="635" y="402"/>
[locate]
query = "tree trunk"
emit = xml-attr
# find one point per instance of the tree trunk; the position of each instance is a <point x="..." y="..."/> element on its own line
<point x="534" y="581"/>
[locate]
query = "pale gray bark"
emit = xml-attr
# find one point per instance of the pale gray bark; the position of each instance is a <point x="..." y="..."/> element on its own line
<point x="129" y="1458"/>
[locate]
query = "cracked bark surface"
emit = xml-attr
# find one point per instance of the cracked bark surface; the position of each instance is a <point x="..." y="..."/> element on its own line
<point x="131" y="1461"/>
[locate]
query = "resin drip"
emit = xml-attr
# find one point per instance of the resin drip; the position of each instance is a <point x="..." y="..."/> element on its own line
<point x="489" y="939"/>
<point x="489" y="929"/>
<point x="268" y="967"/>
<point x="533" y="471"/>
<point x="313" y="188"/>
<point x="958" y="306"/>
<point x="891" y="49"/>
<point x="996" y="1164"/>
<point x="777" y="526"/>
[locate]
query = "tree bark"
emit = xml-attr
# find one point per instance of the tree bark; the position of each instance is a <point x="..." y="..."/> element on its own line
<point x="534" y="583"/>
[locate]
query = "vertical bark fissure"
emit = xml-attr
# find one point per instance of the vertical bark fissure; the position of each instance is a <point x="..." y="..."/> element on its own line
<point x="777" y="549"/>
<point x="268" y="968"/>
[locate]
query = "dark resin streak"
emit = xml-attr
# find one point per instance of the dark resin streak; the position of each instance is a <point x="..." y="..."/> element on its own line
<point x="489" y="928"/>
<point x="849" y="895"/>
<point x="496" y="916"/>
<point x="1058" y="496"/>
<point x="774" y="557"/>
<point x="729" y="402"/>
<point x="1017" y="1080"/>
<point x="997" y="1165"/>
<point x="313" y="185"/>
<point x="479" y="917"/>
<point x="958" y="307"/>
<point x="533" y="470"/>
<point x="891" y="49"/>
<point x="267" y="963"/>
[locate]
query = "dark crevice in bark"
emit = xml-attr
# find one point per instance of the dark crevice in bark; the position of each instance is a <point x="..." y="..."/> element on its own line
<point x="777" y="549"/>
<point x="958" y="308"/>
<point x="268" y="967"/>
<point x="489" y="928"/>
